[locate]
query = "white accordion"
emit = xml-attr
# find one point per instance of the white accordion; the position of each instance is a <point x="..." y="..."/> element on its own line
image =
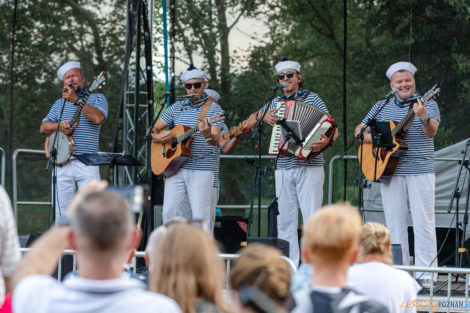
<point x="312" y="123"/>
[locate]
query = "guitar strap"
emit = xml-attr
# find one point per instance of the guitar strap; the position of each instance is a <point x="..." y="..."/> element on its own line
<point x="205" y="108"/>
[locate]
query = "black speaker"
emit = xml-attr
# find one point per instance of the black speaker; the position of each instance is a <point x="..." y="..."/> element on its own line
<point x="281" y="244"/>
<point x="447" y="255"/>
<point x="230" y="232"/>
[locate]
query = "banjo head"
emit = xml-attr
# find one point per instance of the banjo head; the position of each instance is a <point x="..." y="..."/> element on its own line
<point x="63" y="145"/>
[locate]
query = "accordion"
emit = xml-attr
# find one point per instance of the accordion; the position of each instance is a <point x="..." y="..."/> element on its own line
<point x="312" y="123"/>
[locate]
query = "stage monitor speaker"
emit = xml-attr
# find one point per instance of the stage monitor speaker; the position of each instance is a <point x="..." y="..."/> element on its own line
<point x="447" y="255"/>
<point x="230" y="232"/>
<point x="281" y="244"/>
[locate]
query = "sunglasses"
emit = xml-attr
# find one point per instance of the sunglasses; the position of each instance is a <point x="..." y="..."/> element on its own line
<point x="288" y="74"/>
<point x="196" y="85"/>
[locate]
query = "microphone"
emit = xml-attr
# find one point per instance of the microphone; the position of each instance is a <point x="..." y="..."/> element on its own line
<point x="391" y="93"/>
<point x="279" y="86"/>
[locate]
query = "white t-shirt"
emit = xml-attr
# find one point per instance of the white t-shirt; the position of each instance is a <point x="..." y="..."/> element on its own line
<point x="10" y="255"/>
<point x="390" y="286"/>
<point x="42" y="293"/>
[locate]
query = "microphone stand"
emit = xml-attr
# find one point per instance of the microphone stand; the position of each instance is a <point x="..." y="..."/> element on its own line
<point x="456" y="195"/>
<point x="360" y="138"/>
<point x="258" y="173"/>
<point x="53" y="159"/>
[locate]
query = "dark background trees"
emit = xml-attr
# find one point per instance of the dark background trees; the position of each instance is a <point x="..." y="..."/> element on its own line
<point x="434" y="35"/>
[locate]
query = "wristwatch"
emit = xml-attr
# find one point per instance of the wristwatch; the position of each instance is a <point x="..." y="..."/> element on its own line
<point x="426" y="121"/>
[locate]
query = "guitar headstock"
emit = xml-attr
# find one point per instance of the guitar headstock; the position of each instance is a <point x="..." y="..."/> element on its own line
<point x="99" y="81"/>
<point x="431" y="93"/>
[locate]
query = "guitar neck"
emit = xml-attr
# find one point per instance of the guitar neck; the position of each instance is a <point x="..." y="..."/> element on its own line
<point x="230" y="133"/>
<point x="410" y="115"/>
<point x="80" y="106"/>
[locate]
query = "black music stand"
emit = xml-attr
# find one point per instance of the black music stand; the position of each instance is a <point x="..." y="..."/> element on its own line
<point x="108" y="158"/>
<point x="381" y="138"/>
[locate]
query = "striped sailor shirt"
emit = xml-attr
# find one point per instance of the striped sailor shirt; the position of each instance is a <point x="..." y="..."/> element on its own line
<point x="310" y="98"/>
<point x="183" y="112"/>
<point x="86" y="135"/>
<point x="419" y="159"/>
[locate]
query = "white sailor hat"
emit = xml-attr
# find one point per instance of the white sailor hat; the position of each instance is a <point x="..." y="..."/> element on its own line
<point x="66" y="67"/>
<point x="191" y="73"/>
<point x="212" y="93"/>
<point x="399" y="66"/>
<point x="286" y="64"/>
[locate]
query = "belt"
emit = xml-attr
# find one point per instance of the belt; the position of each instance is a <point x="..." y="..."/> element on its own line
<point x="67" y="162"/>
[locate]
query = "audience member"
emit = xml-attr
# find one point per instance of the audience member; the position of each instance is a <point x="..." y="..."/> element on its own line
<point x="9" y="244"/>
<point x="373" y="275"/>
<point x="185" y="266"/>
<point x="331" y="238"/>
<point x="103" y="234"/>
<point x="263" y="268"/>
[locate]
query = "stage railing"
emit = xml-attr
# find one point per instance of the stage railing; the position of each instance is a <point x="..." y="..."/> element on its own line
<point x="431" y="300"/>
<point x="16" y="153"/>
<point x="3" y="167"/>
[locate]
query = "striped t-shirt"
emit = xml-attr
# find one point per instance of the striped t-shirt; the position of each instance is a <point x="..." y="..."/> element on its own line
<point x="203" y="155"/>
<point x="310" y="98"/>
<point x="86" y="135"/>
<point x="419" y="159"/>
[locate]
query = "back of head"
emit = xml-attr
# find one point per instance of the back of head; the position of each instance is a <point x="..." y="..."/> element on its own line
<point x="375" y="240"/>
<point x="103" y="219"/>
<point x="331" y="235"/>
<point x="262" y="266"/>
<point x="185" y="266"/>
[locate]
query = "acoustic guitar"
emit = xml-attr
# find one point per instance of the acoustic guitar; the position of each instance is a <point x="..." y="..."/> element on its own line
<point x="167" y="158"/>
<point x="64" y="145"/>
<point x="382" y="162"/>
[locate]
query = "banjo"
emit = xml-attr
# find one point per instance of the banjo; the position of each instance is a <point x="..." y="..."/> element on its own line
<point x="64" y="144"/>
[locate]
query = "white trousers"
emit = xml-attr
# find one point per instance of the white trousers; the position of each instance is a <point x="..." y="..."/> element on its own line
<point x="70" y="178"/>
<point x="298" y="187"/>
<point x="186" y="208"/>
<point x="416" y="193"/>
<point x="197" y="185"/>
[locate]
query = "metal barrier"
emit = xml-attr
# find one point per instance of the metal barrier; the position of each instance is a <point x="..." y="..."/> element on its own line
<point x="227" y="258"/>
<point x="15" y="181"/>
<point x="428" y="302"/>
<point x="354" y="157"/>
<point x="3" y="168"/>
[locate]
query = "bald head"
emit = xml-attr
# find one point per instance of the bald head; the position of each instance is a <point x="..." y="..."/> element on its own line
<point x="103" y="219"/>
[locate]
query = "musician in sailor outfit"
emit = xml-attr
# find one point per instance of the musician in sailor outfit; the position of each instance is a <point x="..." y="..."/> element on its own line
<point x="299" y="184"/>
<point x="74" y="174"/>
<point x="227" y="146"/>
<point x="195" y="178"/>
<point x="413" y="184"/>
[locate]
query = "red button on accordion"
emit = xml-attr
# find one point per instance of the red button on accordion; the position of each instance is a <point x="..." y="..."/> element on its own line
<point x="312" y="121"/>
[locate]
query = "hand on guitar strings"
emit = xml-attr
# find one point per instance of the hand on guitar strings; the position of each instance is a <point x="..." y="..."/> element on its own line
<point x="420" y="110"/>
<point x="66" y="128"/>
<point x="321" y="144"/>
<point x="162" y="136"/>
<point x="205" y="129"/>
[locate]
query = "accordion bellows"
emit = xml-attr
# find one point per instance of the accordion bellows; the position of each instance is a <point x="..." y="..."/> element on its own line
<point x="312" y="123"/>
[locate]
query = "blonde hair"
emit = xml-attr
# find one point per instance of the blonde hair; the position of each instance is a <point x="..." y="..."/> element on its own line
<point x="185" y="267"/>
<point x="263" y="267"/>
<point x="331" y="234"/>
<point x="375" y="240"/>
